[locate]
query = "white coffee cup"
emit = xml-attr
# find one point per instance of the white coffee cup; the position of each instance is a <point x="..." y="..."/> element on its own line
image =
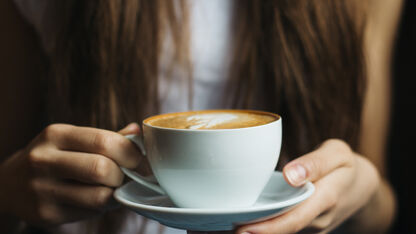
<point x="221" y="168"/>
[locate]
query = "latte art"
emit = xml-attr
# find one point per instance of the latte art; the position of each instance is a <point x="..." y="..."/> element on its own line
<point x="227" y="119"/>
<point x="209" y="120"/>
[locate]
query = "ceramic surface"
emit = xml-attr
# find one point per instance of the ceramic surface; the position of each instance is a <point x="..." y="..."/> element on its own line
<point x="211" y="168"/>
<point x="277" y="198"/>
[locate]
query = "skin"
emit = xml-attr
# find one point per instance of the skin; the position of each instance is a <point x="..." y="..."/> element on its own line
<point x="67" y="173"/>
<point x="337" y="173"/>
<point x="49" y="187"/>
<point x="350" y="185"/>
<point x="57" y="189"/>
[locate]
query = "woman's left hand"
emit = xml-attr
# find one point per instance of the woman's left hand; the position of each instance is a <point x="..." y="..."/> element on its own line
<point x="344" y="183"/>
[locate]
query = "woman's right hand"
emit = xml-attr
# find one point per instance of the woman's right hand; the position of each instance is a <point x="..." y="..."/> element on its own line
<point x="66" y="173"/>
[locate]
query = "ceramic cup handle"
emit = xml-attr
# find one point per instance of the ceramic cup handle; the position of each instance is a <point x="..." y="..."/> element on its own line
<point x="137" y="140"/>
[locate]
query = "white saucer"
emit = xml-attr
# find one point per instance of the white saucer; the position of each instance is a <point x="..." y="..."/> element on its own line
<point x="277" y="198"/>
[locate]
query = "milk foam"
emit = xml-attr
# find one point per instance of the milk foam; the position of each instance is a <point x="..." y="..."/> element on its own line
<point x="210" y="120"/>
<point x="196" y="120"/>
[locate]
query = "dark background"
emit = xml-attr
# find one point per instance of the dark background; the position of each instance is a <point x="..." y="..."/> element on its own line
<point x="402" y="144"/>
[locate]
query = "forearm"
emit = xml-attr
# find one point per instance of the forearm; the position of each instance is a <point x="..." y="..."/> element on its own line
<point x="377" y="215"/>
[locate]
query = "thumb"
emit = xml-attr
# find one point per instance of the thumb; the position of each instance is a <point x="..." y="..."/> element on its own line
<point x="132" y="128"/>
<point x="332" y="154"/>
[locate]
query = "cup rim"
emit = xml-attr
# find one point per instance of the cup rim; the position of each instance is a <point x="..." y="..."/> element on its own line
<point x="278" y="119"/>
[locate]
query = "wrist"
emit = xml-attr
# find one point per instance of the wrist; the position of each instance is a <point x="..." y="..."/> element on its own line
<point x="381" y="203"/>
<point x="377" y="213"/>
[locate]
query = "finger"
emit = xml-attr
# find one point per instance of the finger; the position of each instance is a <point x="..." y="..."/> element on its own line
<point x="91" y="140"/>
<point x="300" y="216"/>
<point x="72" y="214"/>
<point x="83" y="167"/>
<point x="132" y="128"/>
<point x="311" y="167"/>
<point x="75" y="194"/>
<point x="56" y="214"/>
<point x="144" y="166"/>
<point x="213" y="232"/>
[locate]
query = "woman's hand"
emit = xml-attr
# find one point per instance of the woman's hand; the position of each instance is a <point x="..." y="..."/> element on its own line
<point x="344" y="182"/>
<point x="66" y="173"/>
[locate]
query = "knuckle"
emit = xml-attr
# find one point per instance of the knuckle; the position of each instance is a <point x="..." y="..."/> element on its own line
<point x="119" y="180"/>
<point x="297" y="227"/>
<point x="325" y="223"/>
<point x="295" y="224"/>
<point x="322" y="223"/>
<point x="331" y="198"/>
<point x="43" y="212"/>
<point x="338" y="145"/>
<point x="119" y="141"/>
<point x="101" y="141"/>
<point x="37" y="188"/>
<point x="53" y="130"/>
<point x="35" y="157"/>
<point x="47" y="214"/>
<point x="315" y="166"/>
<point x="342" y="150"/>
<point x="101" y="168"/>
<point x="102" y="197"/>
<point x="34" y="185"/>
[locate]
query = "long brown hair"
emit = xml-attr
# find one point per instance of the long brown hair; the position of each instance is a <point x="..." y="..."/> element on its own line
<point x="104" y="65"/>
<point x="103" y="68"/>
<point x="302" y="59"/>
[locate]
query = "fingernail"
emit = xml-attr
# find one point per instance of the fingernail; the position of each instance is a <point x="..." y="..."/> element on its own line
<point x="296" y="174"/>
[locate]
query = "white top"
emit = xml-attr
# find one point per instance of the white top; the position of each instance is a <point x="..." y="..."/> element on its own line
<point x="210" y="22"/>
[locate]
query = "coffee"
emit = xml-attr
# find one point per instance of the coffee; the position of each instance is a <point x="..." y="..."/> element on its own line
<point x="212" y="119"/>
